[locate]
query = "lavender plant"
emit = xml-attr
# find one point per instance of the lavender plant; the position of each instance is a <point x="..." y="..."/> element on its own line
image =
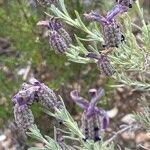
<point x="94" y="120"/>
<point x="118" y="54"/>
<point x="125" y="56"/>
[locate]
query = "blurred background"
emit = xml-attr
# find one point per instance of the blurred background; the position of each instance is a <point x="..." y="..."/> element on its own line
<point x="25" y="52"/>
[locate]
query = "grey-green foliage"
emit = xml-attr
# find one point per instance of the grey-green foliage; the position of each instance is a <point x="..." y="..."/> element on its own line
<point x="130" y="56"/>
<point x="144" y="117"/>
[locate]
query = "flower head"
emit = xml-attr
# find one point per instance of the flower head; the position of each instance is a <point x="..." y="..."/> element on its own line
<point x="111" y="30"/>
<point x="103" y="64"/>
<point x="112" y="34"/>
<point x="94" y="119"/>
<point x="35" y="92"/>
<point x="59" y="38"/>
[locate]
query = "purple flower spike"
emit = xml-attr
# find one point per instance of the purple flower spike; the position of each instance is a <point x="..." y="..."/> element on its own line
<point x="103" y="64"/>
<point x="35" y="92"/>
<point x="122" y="7"/>
<point x="94" y="119"/>
<point x="57" y="42"/>
<point x="57" y="31"/>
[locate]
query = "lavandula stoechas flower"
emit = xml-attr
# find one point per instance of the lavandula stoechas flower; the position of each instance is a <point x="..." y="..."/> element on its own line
<point x="57" y="42"/>
<point x="34" y="91"/>
<point x="94" y="120"/>
<point x="103" y="64"/>
<point x="111" y="30"/>
<point x="58" y="37"/>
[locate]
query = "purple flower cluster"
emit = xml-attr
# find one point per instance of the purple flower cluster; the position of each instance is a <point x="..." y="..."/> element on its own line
<point x="59" y="38"/>
<point x="29" y="93"/>
<point x="112" y="34"/>
<point x="111" y="29"/>
<point x="103" y="64"/>
<point x="94" y="120"/>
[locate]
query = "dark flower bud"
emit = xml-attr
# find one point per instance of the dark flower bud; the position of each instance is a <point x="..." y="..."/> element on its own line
<point x="23" y="117"/>
<point x="59" y="38"/>
<point x="112" y="35"/>
<point x="105" y="66"/>
<point x="111" y="30"/>
<point x="57" y="42"/>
